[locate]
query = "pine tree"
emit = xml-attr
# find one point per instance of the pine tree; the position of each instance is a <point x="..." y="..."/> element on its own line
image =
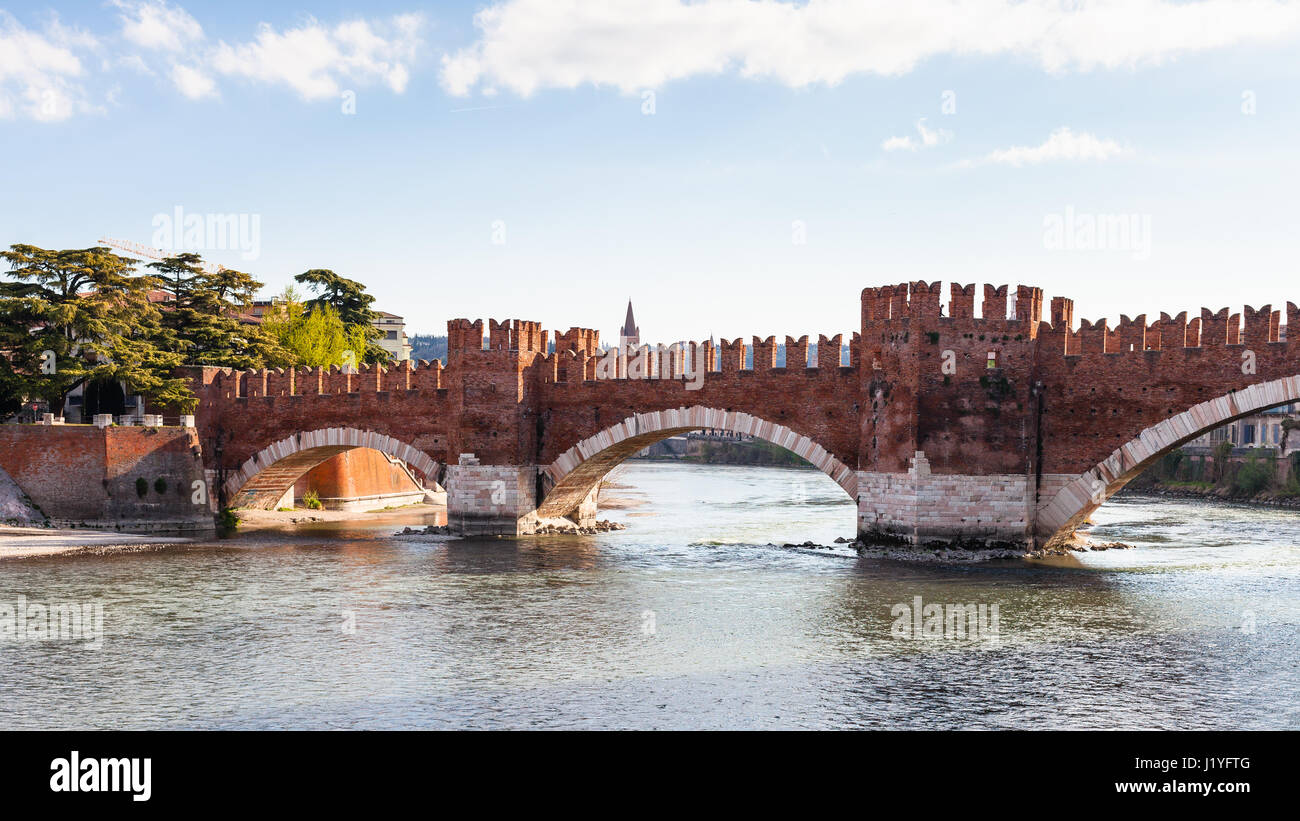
<point x="73" y="316"/>
<point x="202" y="321"/>
<point x="349" y="298"/>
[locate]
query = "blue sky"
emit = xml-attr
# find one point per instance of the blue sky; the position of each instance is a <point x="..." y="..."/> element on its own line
<point x="507" y="165"/>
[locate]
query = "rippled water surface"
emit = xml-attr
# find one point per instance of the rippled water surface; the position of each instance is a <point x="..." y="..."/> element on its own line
<point x="694" y="617"/>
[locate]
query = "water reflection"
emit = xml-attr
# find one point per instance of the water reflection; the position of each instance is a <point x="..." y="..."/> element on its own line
<point x="342" y="625"/>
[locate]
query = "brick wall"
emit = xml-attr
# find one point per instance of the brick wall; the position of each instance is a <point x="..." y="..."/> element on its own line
<point x="86" y="476"/>
<point x="361" y="473"/>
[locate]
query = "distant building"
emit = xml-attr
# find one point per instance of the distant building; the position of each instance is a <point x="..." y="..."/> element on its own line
<point x="392" y="329"/>
<point x="1264" y="429"/>
<point x="630" y="335"/>
<point x="259" y="309"/>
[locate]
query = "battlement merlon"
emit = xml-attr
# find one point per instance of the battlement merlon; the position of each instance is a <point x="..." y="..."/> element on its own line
<point x="584" y="340"/>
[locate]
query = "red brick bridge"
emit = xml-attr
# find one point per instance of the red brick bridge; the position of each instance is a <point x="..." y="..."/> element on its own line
<point x="943" y="426"/>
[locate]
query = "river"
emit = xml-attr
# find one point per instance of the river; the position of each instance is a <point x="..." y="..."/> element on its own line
<point x="693" y="617"/>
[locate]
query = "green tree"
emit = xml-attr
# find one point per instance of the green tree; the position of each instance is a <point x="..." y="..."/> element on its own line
<point x="1256" y="474"/>
<point x="1222" y="454"/>
<point x="349" y="298"/>
<point x="72" y="316"/>
<point x="315" y="337"/>
<point x="203" y="320"/>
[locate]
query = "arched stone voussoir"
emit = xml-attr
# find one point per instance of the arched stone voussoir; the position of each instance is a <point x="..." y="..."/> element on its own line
<point x="1070" y="507"/>
<point x="268" y="474"/>
<point x="579" y="469"/>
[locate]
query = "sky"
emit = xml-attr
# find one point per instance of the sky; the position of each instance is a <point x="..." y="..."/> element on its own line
<point x="734" y="167"/>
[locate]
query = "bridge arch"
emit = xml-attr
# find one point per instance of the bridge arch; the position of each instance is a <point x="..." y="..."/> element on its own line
<point x="577" y="472"/>
<point x="268" y="474"/>
<point x="1075" y="502"/>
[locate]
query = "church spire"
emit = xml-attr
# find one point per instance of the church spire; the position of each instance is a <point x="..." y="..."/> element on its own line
<point x="630" y="334"/>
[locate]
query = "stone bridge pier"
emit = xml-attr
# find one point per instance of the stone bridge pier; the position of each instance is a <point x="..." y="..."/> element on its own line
<point x="501" y="499"/>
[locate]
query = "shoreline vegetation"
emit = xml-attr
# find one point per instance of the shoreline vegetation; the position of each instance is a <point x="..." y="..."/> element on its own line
<point x="1259" y="477"/>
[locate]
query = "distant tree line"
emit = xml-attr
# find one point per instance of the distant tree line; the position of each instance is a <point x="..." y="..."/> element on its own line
<point x="429" y="347"/>
<point x="81" y="317"/>
<point x="1225" y="472"/>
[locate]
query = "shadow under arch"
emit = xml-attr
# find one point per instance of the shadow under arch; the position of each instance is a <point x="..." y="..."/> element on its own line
<point x="577" y="472"/>
<point x="1071" y="506"/>
<point x="267" y="475"/>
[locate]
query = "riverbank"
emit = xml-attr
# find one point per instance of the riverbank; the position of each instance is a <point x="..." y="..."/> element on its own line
<point x="1208" y="492"/>
<point x="17" y="542"/>
<point x="253" y="519"/>
<point x="721" y="451"/>
<point x="26" y="542"/>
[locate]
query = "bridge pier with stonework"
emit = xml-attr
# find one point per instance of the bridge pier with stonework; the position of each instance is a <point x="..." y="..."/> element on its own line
<point x="1006" y="428"/>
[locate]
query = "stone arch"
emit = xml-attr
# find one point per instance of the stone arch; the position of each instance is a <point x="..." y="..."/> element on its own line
<point x="1073" y="504"/>
<point x="269" y="473"/>
<point x="577" y="471"/>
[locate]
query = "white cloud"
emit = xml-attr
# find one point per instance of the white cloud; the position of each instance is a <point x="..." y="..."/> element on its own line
<point x="158" y="26"/>
<point x="314" y="60"/>
<point x="526" y="45"/>
<point x="40" y="71"/>
<point x="192" y="82"/>
<point x="927" y="138"/>
<point x="1062" y="145"/>
<point x="44" y="74"/>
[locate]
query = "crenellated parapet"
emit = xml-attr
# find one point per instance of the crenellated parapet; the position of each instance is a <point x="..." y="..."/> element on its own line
<point x="689" y="361"/>
<point x="920" y="306"/>
<point x="1209" y="330"/>
<point x="893" y="316"/>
